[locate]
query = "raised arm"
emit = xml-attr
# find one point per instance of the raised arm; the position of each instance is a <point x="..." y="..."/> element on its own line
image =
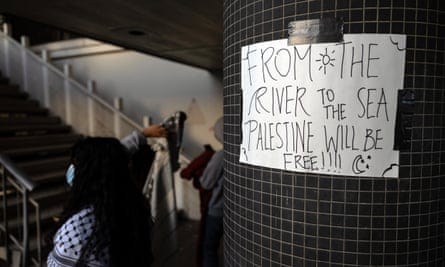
<point x="136" y="138"/>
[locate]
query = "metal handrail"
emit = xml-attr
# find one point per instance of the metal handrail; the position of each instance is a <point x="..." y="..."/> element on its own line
<point x="18" y="174"/>
<point x="24" y="185"/>
<point x="78" y="85"/>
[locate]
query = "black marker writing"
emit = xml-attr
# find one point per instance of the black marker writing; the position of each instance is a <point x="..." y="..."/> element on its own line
<point x="307" y="54"/>
<point x="335" y="111"/>
<point x="282" y="62"/>
<point x="342" y="139"/>
<point x="372" y="139"/>
<point x="370" y="108"/>
<point x="370" y="58"/>
<point x="292" y="136"/>
<point x="313" y="123"/>
<point x="332" y="161"/>
<point x="359" y="61"/>
<point x="329" y="95"/>
<point x="249" y="67"/>
<point x="264" y="65"/>
<point x="278" y="100"/>
<point x="299" y="162"/>
<point x="256" y="100"/>
<point x="353" y="59"/>
<point x="343" y="57"/>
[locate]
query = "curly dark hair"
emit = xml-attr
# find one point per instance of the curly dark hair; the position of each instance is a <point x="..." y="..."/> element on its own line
<point x="103" y="181"/>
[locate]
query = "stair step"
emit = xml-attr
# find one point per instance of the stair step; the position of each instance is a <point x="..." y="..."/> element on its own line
<point x="40" y="196"/>
<point x="51" y="206"/>
<point x="39" y="144"/>
<point x="9" y="87"/>
<point x="38" y="193"/>
<point x="40" y="151"/>
<point x="37" y="167"/>
<point x="29" y="120"/>
<point x="4" y="80"/>
<point x="55" y="189"/>
<point x="50" y="177"/>
<point x="41" y="140"/>
<point x="7" y="102"/>
<point x="46" y="213"/>
<point x="45" y="181"/>
<point x="21" y="130"/>
<point x="48" y="210"/>
<point x="46" y="228"/>
<point x="14" y="110"/>
<point x="47" y="225"/>
<point x="13" y="94"/>
<point x="53" y="202"/>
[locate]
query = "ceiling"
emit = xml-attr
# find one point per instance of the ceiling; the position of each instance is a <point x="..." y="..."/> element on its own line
<point x="186" y="31"/>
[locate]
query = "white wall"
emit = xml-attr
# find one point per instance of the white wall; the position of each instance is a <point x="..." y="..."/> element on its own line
<point x="155" y="87"/>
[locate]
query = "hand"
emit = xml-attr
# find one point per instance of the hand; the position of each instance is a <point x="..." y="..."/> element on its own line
<point x="155" y="130"/>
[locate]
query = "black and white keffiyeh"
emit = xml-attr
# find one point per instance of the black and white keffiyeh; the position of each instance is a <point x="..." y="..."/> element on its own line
<point x="71" y="238"/>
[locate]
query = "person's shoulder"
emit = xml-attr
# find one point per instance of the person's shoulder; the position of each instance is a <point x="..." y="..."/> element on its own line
<point x="84" y="218"/>
<point x="76" y="229"/>
<point x="71" y="238"/>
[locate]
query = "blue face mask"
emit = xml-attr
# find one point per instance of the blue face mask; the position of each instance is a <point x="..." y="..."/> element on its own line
<point x="70" y="175"/>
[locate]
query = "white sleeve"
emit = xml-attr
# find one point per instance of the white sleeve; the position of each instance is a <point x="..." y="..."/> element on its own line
<point x="133" y="141"/>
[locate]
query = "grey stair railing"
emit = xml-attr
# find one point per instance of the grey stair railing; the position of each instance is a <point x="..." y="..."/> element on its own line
<point x="15" y="182"/>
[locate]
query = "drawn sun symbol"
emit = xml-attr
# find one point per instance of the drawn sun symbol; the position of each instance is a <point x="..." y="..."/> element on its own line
<point x="326" y="60"/>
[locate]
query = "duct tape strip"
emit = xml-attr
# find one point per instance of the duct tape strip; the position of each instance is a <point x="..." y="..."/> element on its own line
<point x="405" y="113"/>
<point x="323" y="30"/>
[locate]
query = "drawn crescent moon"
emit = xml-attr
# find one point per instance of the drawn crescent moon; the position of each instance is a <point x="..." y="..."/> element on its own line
<point x="355" y="165"/>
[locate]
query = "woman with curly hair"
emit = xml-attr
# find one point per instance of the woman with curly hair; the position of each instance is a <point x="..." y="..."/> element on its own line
<point x="106" y="221"/>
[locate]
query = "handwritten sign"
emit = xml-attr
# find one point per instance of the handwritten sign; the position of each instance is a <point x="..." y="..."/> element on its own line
<point x="325" y="108"/>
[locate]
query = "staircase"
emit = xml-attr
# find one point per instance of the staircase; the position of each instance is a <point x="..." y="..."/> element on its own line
<point x="34" y="152"/>
<point x="38" y="144"/>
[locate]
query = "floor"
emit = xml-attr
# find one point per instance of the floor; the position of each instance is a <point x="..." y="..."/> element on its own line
<point x="187" y="235"/>
<point x="185" y="256"/>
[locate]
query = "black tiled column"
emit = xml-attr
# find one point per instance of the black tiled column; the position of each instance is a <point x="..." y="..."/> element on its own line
<point x="278" y="218"/>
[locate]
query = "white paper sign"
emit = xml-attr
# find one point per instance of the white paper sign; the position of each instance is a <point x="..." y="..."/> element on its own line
<point x="325" y="108"/>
